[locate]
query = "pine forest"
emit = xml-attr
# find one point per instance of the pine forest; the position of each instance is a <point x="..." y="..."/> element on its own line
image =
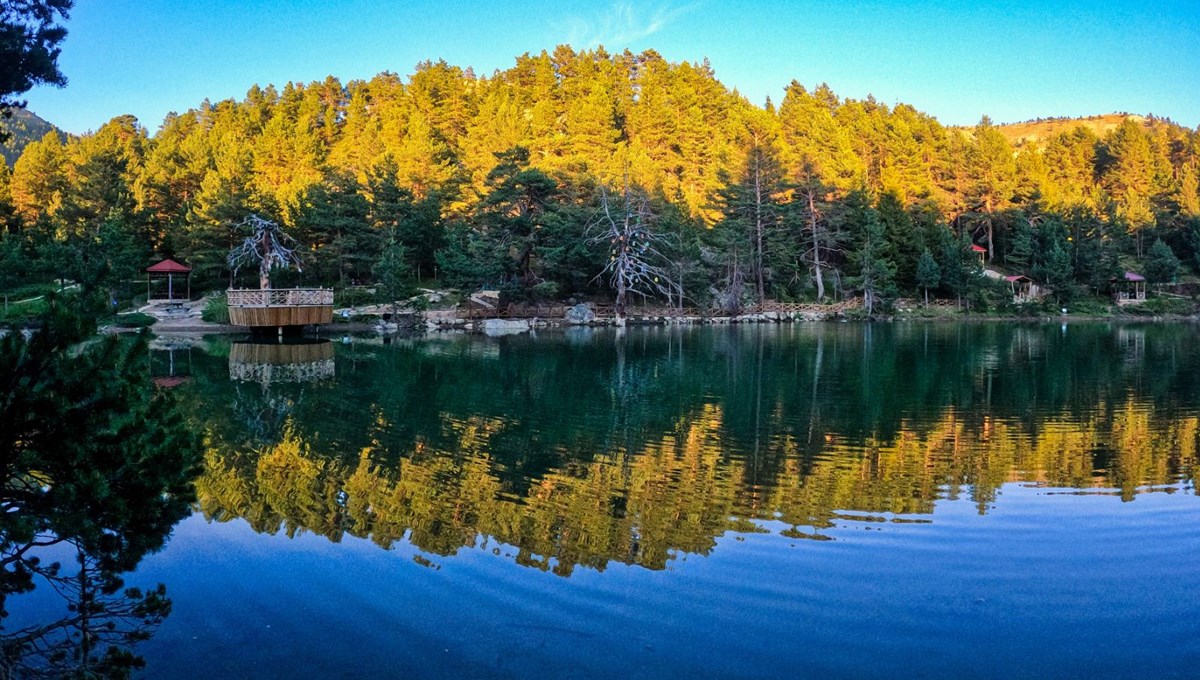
<point x="504" y="181"/>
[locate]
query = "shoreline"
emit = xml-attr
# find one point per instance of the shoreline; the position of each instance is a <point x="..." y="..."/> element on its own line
<point x="501" y="326"/>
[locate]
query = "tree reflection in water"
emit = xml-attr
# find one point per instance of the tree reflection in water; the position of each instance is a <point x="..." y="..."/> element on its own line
<point x="98" y="467"/>
<point x="567" y="453"/>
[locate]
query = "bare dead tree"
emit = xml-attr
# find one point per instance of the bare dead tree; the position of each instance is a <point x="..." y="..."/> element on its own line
<point x="268" y="246"/>
<point x="636" y="261"/>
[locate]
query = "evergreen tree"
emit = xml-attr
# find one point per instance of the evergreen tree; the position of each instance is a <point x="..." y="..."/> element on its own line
<point x="1161" y="264"/>
<point x="416" y="222"/>
<point x="960" y="268"/>
<point x="1024" y="245"/>
<point x="1057" y="271"/>
<point x="393" y="275"/>
<point x="39" y="179"/>
<point x="30" y="33"/>
<point x="904" y="240"/>
<point x="1129" y="177"/>
<point x="929" y="275"/>
<point x="992" y="174"/>
<point x="873" y="271"/>
<point x="332" y="223"/>
<point x="514" y="213"/>
<point x="752" y="211"/>
<point x="13" y="265"/>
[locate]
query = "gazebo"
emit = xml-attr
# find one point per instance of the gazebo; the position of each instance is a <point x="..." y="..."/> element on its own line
<point x="167" y="269"/>
<point x="1023" y="289"/>
<point x="1131" y="288"/>
<point x="980" y="252"/>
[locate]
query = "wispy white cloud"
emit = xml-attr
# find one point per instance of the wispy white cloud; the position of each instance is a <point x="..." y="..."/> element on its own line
<point x="620" y="24"/>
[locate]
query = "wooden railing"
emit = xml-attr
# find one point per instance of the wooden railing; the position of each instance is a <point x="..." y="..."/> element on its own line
<point x="913" y="303"/>
<point x="803" y="307"/>
<point x="281" y="297"/>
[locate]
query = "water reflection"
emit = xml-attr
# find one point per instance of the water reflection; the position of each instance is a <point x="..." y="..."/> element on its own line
<point x="581" y="451"/>
<point x="278" y="362"/>
<point x="98" y="468"/>
<point x="264" y="376"/>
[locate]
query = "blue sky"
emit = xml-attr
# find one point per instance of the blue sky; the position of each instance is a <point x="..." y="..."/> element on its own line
<point x="956" y="60"/>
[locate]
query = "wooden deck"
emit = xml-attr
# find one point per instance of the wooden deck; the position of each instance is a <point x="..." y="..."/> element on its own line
<point x="276" y="308"/>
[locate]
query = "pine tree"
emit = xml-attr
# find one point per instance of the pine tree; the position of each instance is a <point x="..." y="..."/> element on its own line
<point x="872" y="269"/>
<point x="993" y="175"/>
<point x="514" y="211"/>
<point x="1129" y="177"/>
<point x="393" y="275"/>
<point x="904" y="240"/>
<point x="332" y="223"/>
<point x="1161" y="264"/>
<point x="1058" y="272"/>
<point x="29" y="39"/>
<point x="752" y="209"/>
<point x="929" y="275"/>
<point x="416" y="223"/>
<point x="39" y="179"/>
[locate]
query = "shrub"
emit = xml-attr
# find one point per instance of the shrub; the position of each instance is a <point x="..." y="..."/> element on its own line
<point x="1157" y="306"/>
<point x="354" y="297"/>
<point x="134" y="320"/>
<point x="546" y="290"/>
<point x="216" y="310"/>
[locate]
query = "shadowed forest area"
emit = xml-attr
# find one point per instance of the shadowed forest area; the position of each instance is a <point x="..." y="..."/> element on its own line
<point x="497" y="181"/>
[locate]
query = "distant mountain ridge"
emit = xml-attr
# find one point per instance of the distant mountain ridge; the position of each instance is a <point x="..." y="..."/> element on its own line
<point x="1037" y="132"/>
<point x="24" y="127"/>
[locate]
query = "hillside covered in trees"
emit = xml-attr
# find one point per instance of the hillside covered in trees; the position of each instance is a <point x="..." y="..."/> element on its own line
<point x="23" y="127"/>
<point x="499" y="181"/>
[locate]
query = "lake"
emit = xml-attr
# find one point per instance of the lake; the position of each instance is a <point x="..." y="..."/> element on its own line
<point x="810" y="500"/>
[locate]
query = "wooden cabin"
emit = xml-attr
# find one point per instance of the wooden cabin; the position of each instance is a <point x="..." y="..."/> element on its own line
<point x="1129" y="289"/>
<point x="279" y="308"/>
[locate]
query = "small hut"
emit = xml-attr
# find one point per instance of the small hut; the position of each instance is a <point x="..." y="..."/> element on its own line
<point x="166" y="271"/>
<point x="1130" y="288"/>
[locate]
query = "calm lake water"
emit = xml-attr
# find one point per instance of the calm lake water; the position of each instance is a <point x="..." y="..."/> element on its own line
<point x="811" y="500"/>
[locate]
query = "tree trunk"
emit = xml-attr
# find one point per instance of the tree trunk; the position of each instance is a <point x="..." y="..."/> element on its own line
<point x="758" y="229"/>
<point x="619" y="307"/>
<point x="816" y="241"/>
<point x="991" y="249"/>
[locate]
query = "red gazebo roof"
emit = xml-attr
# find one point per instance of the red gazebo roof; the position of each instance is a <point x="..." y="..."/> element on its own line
<point x="978" y="249"/>
<point x="168" y="267"/>
<point x="1134" y="276"/>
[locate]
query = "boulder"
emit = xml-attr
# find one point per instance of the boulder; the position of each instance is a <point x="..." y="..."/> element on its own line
<point x="579" y="314"/>
<point x="495" y="327"/>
